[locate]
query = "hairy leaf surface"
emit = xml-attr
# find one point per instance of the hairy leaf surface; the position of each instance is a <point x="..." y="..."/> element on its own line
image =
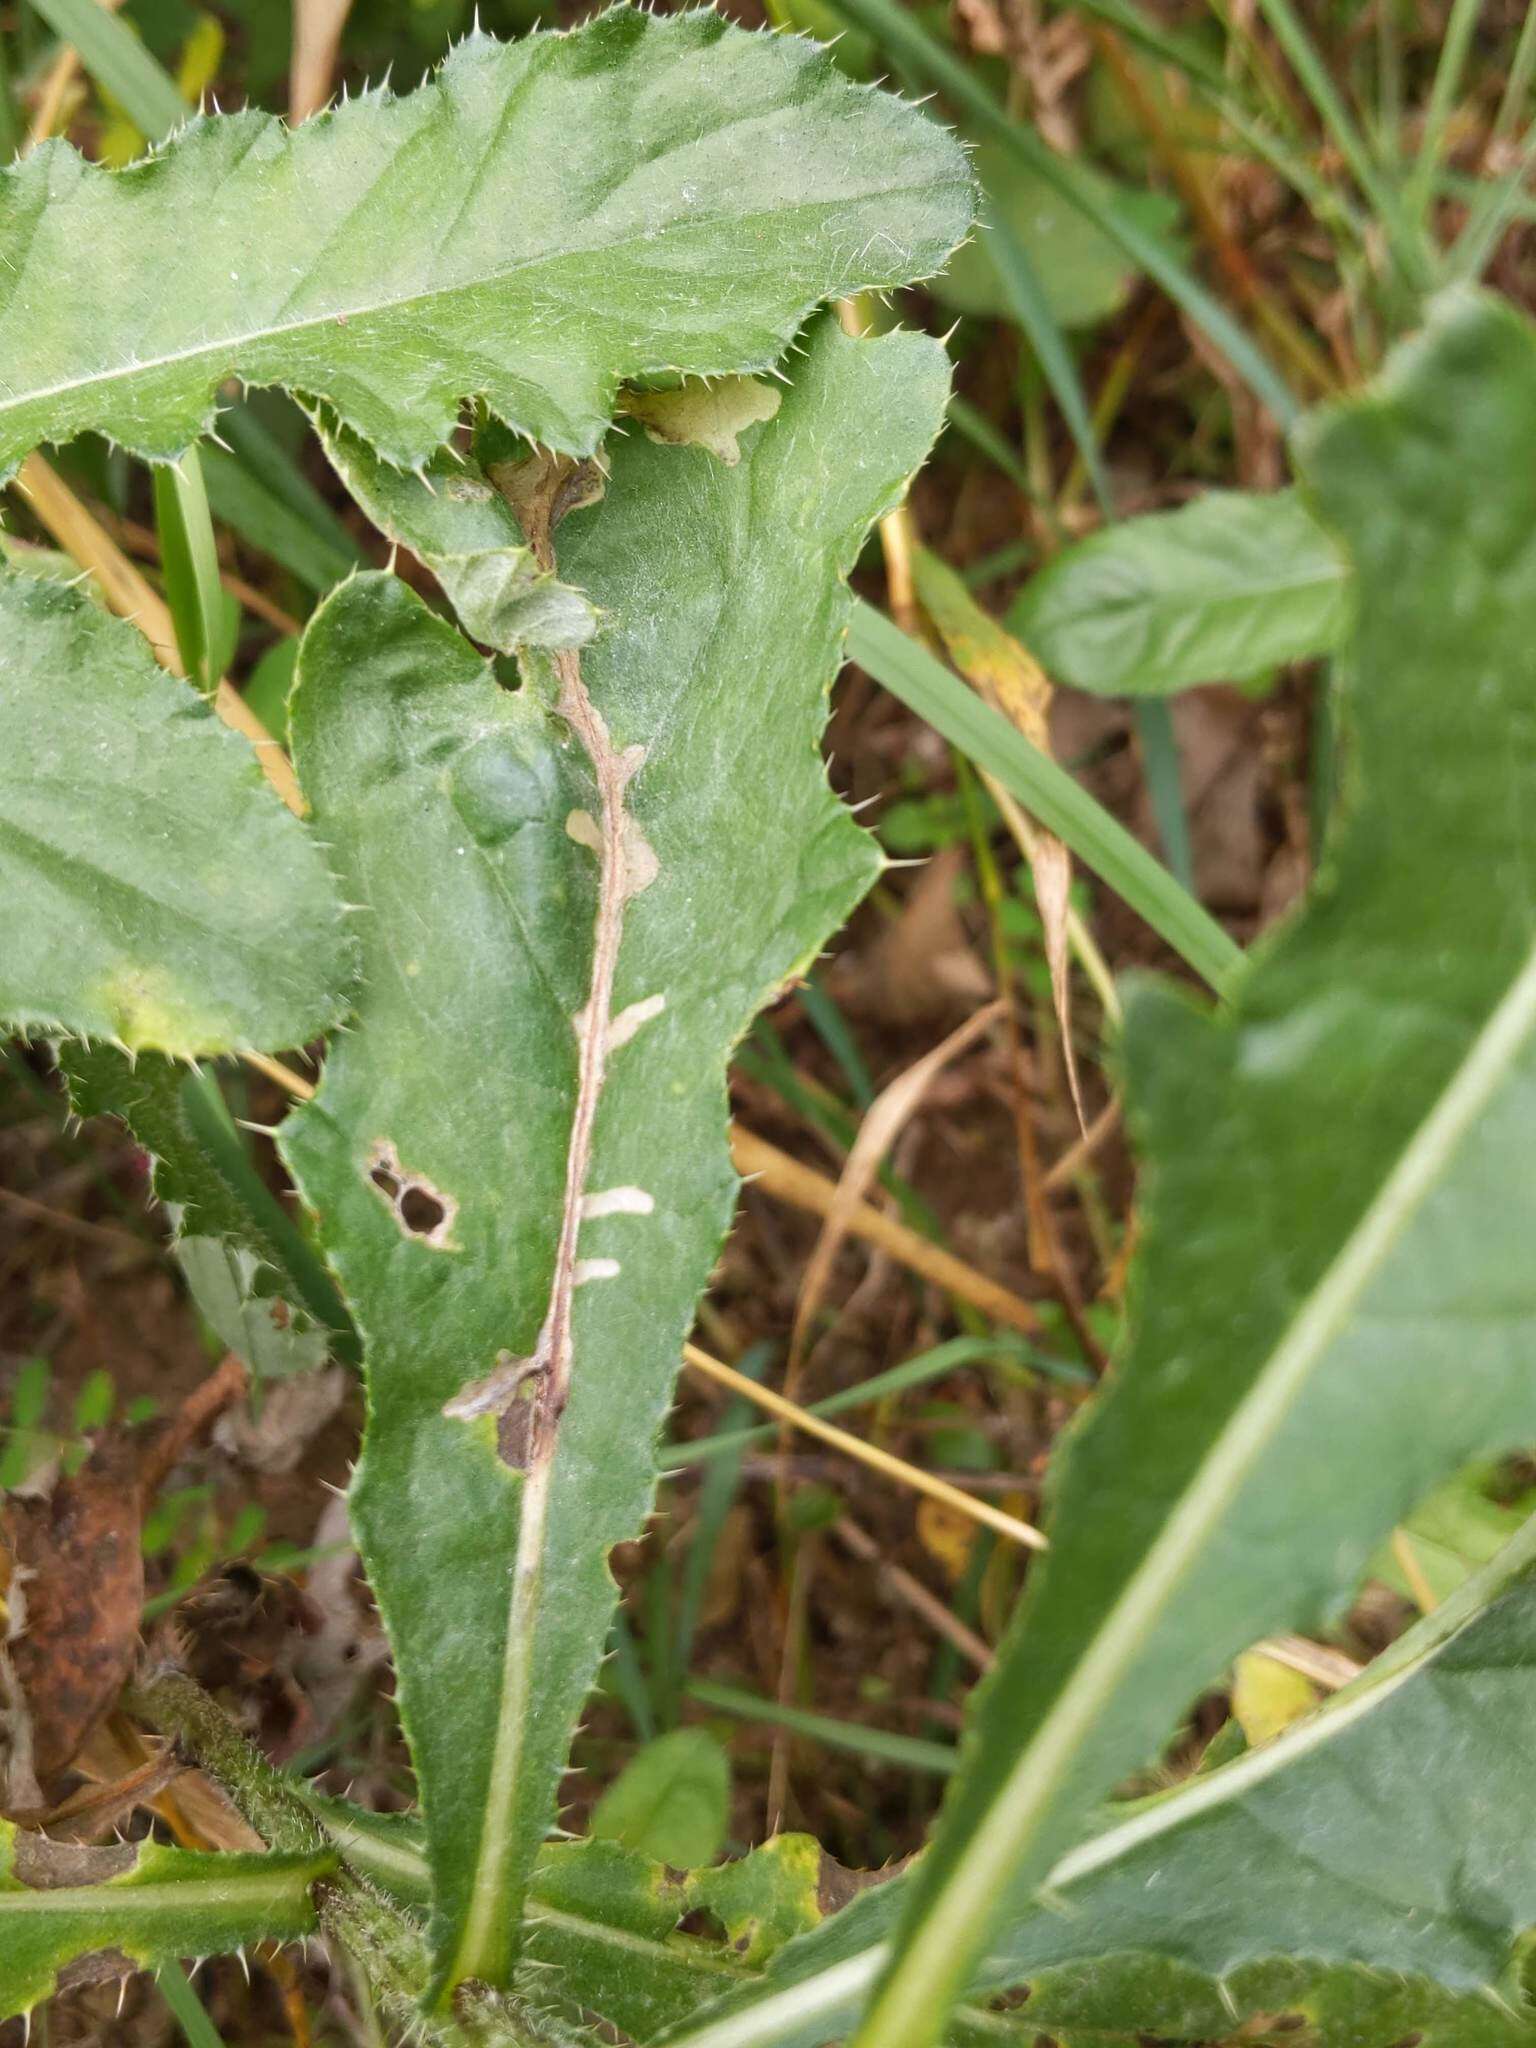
<point x="1222" y="590"/>
<point x="1335" y="1303"/>
<point x="156" y="891"/>
<point x="539" y="222"/>
<point x="438" y="1154"/>
<point x="1333" y="1844"/>
<point x="147" y="1904"/>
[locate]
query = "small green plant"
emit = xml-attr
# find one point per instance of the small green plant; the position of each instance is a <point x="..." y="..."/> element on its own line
<point x="560" y="318"/>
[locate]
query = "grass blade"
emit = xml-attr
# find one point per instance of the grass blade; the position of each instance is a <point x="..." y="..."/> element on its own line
<point x="1302" y="55"/>
<point x="1442" y="96"/>
<point x="191" y="2016"/>
<point x="1060" y="803"/>
<point x="1160" y="766"/>
<point x="908" y="1752"/>
<point x="191" y="564"/>
<point x="117" y="60"/>
<point x="1021" y="281"/>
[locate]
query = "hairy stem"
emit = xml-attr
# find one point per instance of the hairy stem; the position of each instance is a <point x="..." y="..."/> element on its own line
<point x="385" y="1942"/>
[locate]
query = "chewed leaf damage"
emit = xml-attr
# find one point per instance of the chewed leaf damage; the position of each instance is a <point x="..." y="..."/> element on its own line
<point x="422" y="1210"/>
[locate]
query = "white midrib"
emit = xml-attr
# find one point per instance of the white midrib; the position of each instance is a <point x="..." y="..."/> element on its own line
<point x="487" y="1933"/>
<point x="151" y="1900"/>
<point x="909" y="2010"/>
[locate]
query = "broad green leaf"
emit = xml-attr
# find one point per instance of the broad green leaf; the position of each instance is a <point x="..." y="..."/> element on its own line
<point x="1222" y="590"/>
<point x="766" y="1898"/>
<point x="1335" y="1298"/>
<point x="1335" y="1843"/>
<point x="671" y="1801"/>
<point x="444" y="1153"/>
<point x="395" y="256"/>
<point x="148" y="1904"/>
<point x="49" y="565"/>
<point x="156" y="891"/>
<point x="1084" y="276"/>
<point x="605" y="1923"/>
<point x="452" y="517"/>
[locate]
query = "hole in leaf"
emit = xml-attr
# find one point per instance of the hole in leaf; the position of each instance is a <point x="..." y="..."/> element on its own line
<point x="419" y="1211"/>
<point x="422" y="1211"/>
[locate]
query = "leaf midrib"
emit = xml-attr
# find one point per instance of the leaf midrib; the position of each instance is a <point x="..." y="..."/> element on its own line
<point x="163" y="1897"/>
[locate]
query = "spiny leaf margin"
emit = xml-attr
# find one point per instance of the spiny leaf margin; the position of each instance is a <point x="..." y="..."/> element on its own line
<point x="156" y="1905"/>
<point x="490" y="235"/>
<point x="157" y="893"/>
<point x="724" y="592"/>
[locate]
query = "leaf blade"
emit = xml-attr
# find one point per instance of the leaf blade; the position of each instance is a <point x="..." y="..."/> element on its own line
<point x="1224" y="588"/>
<point x="1123" y="1623"/>
<point x="159" y="894"/>
<point x="398" y="255"/>
<point x="156" y="1904"/>
<point x="726" y="588"/>
<point x="1358" y="1867"/>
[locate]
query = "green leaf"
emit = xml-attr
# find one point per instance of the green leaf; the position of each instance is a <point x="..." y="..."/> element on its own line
<point x="765" y="1899"/>
<point x="1341" y="1169"/>
<point x="1331" y="1843"/>
<point x="671" y="1801"/>
<point x="157" y="892"/>
<point x="444" y="1152"/>
<point x="1085" y="277"/>
<point x="395" y="256"/>
<point x="148" y="1904"/>
<point x="217" y="1205"/>
<point x="454" y="520"/>
<point x="190" y="564"/>
<point x="259" y="515"/>
<point x="252" y="1275"/>
<point x="1222" y="590"/>
<point x="191" y="2015"/>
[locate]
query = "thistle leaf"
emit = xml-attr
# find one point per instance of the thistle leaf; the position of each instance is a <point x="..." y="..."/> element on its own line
<point x="147" y="1904"/>
<point x="540" y="222"/>
<point x="1342" y="1170"/>
<point x="577" y="897"/>
<point x="156" y="892"/>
